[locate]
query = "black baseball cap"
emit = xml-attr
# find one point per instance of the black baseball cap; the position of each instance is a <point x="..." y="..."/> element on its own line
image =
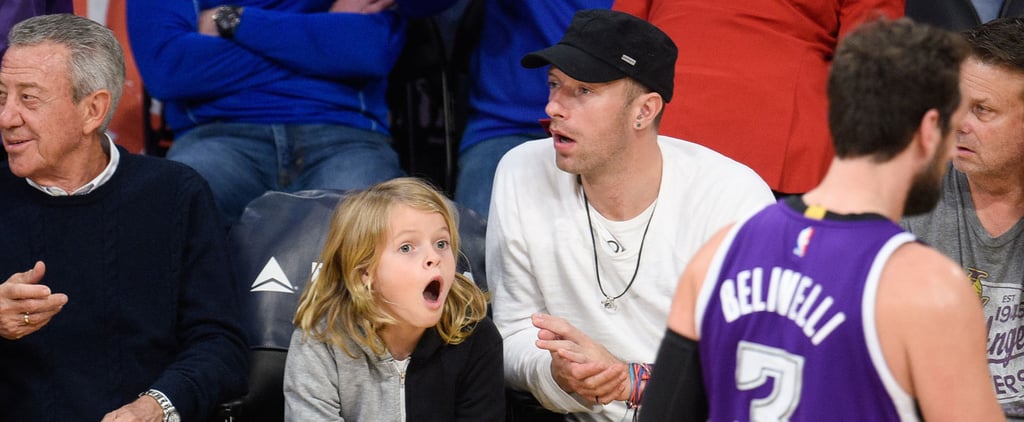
<point x="604" y="45"/>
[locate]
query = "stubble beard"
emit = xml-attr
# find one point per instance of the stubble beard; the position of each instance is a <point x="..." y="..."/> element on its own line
<point x="926" y="188"/>
<point x="598" y="160"/>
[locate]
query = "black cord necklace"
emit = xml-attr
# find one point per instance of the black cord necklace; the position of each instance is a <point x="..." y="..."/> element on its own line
<point x="609" y="302"/>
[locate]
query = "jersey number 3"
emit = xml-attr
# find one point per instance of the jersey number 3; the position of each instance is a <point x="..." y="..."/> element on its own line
<point x="755" y="363"/>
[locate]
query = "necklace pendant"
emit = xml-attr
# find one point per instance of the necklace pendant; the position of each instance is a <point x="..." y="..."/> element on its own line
<point x="609" y="305"/>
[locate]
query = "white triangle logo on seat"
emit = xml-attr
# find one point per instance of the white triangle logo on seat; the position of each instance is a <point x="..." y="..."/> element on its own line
<point x="272" y="279"/>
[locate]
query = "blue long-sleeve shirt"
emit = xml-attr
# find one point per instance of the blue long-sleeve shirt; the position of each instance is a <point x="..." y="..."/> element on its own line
<point x="288" y="62"/>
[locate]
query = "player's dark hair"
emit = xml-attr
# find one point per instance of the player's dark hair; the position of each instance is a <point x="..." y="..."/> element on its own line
<point x="885" y="76"/>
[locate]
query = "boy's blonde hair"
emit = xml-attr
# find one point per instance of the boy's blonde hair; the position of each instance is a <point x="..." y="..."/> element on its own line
<point x="337" y="304"/>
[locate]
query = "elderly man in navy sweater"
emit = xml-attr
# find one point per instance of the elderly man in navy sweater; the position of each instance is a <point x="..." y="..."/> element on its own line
<point x="118" y="302"/>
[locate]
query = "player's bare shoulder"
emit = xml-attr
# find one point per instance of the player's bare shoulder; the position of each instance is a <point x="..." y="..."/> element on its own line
<point x="923" y="298"/>
<point x="922" y="279"/>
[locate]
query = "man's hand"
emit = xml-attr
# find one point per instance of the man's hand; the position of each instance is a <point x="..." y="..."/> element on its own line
<point x="361" y="6"/>
<point x="206" y="24"/>
<point x="25" y="305"/>
<point x="143" y="409"/>
<point x="580" y="365"/>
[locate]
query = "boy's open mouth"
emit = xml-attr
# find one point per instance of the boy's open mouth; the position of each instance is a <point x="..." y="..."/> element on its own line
<point x="433" y="291"/>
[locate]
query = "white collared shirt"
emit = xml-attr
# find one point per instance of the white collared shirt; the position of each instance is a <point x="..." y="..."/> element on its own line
<point x="99" y="180"/>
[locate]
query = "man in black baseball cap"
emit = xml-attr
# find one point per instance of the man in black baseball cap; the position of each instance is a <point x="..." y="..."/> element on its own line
<point x="589" y="230"/>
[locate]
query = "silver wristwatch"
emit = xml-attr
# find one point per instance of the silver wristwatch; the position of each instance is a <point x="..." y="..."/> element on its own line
<point x="170" y="413"/>
<point x="227" y="18"/>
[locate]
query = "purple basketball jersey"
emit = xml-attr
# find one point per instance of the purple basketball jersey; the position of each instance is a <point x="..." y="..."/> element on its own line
<point x="787" y="324"/>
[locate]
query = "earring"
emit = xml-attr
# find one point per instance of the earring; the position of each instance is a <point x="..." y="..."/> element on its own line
<point x="638" y="125"/>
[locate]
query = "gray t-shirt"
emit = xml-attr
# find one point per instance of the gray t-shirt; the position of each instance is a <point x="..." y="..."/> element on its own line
<point x="995" y="266"/>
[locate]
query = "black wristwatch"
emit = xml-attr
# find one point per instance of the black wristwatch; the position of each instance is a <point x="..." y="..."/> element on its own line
<point x="227" y="19"/>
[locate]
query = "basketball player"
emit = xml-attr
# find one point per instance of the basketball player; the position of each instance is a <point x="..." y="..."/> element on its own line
<point x="821" y="307"/>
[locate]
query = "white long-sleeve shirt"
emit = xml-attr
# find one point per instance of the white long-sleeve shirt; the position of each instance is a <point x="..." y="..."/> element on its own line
<point x="540" y="258"/>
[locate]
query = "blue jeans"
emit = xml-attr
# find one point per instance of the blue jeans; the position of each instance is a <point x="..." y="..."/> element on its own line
<point x="476" y="170"/>
<point x="241" y="161"/>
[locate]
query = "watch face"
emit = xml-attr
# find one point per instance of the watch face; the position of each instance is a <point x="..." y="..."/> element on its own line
<point x="226" y="18"/>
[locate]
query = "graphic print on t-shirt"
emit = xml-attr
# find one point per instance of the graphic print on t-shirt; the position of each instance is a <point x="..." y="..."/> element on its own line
<point x="1004" y="314"/>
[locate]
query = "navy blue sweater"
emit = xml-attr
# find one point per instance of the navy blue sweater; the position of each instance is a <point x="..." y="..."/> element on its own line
<point x="143" y="262"/>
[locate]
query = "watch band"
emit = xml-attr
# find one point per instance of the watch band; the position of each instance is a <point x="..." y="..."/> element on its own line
<point x="227" y="18"/>
<point x="170" y="413"/>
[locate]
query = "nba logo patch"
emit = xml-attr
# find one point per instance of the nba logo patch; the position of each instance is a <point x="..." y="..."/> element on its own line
<point x="802" y="241"/>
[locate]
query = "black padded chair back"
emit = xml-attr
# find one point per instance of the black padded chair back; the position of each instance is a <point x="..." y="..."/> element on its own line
<point x="275" y="246"/>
